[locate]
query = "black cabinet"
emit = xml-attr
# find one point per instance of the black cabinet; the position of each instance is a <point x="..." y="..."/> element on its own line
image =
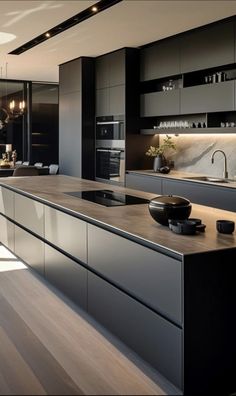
<point x="76" y="132"/>
<point x="160" y="103"/>
<point x="208" y="98"/>
<point x="67" y="275"/>
<point x="209" y="46"/>
<point x="30" y="249"/>
<point x="152" y="337"/>
<point x="110" y="83"/>
<point x="139" y="271"/>
<point x="110" y="69"/>
<point x="204" y="194"/>
<point x="160" y="60"/>
<point x="144" y="183"/>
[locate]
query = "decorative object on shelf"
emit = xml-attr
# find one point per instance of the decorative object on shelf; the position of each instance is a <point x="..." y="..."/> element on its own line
<point x="215" y="78"/>
<point x="14" y="157"/>
<point x="168" y="87"/>
<point x="4" y="162"/>
<point x="158" y="152"/>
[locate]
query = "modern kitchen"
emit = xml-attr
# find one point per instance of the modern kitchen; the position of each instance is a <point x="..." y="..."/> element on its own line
<point x="117" y="272"/>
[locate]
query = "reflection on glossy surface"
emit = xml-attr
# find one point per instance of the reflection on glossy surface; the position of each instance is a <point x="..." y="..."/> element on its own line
<point x="209" y="179"/>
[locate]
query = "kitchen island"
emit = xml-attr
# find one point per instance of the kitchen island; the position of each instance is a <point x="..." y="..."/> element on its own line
<point x="169" y="297"/>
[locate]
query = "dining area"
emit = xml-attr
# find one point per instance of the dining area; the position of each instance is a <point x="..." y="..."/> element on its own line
<point x="11" y="167"/>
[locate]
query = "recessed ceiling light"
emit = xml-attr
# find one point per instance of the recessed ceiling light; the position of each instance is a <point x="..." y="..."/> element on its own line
<point x="6" y="37"/>
<point x="68" y="23"/>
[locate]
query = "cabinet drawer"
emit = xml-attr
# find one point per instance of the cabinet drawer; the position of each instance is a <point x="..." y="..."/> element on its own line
<point x="66" y="275"/>
<point x="152" y="277"/>
<point x="208" y="98"/>
<point x="7" y="233"/>
<point x="144" y="183"/>
<point x="66" y="232"/>
<point x="7" y="202"/>
<point x="160" y="103"/>
<point x="30" y="249"/>
<point x="152" y="337"/>
<point x="30" y="214"/>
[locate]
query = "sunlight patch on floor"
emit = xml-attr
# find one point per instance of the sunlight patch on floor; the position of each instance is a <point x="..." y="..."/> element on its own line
<point x="5" y="253"/>
<point x="9" y="262"/>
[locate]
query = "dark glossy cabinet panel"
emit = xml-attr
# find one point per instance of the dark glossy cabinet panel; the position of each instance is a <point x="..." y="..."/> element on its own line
<point x="217" y="197"/>
<point x="70" y="134"/>
<point x="117" y="67"/>
<point x="30" y="249"/>
<point x="102" y="102"/>
<point x="66" y="275"/>
<point x="208" y="98"/>
<point x="152" y="337"/>
<point x="160" y="60"/>
<point x="144" y="183"/>
<point x="160" y="103"/>
<point x="208" y="47"/>
<point x="102" y="72"/>
<point x="70" y="77"/>
<point x="110" y="69"/>
<point x="76" y="133"/>
<point x="142" y="272"/>
<point x="117" y="100"/>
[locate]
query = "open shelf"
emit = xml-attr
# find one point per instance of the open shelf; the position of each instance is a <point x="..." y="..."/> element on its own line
<point x="179" y="131"/>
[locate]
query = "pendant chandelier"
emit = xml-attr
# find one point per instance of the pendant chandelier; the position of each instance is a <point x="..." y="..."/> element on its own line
<point x="14" y="108"/>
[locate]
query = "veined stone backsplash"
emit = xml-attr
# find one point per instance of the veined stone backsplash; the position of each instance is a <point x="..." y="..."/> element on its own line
<point x="194" y="153"/>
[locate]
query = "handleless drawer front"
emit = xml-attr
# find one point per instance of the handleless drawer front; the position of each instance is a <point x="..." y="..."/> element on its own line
<point x="30" y="249"/>
<point x="66" y="275"/>
<point x="153" y="278"/>
<point x="7" y="202"/>
<point x="66" y="232"/>
<point x="152" y="337"/>
<point x="7" y="233"/>
<point x="208" y="98"/>
<point x="30" y="214"/>
<point x="160" y="103"/>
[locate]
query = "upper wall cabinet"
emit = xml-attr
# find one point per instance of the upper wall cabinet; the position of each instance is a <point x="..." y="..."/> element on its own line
<point x="110" y="69"/>
<point x="160" y="103"/>
<point x="208" y="98"/>
<point x="211" y="46"/>
<point x="68" y="82"/>
<point x="160" y="60"/>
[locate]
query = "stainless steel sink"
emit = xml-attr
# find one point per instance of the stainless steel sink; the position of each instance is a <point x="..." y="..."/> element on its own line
<point x="208" y="179"/>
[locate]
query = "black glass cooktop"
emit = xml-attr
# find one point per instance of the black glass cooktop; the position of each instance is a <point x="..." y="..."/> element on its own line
<point x="108" y="197"/>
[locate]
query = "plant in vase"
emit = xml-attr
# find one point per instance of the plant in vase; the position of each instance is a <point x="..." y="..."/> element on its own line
<point x="158" y="152"/>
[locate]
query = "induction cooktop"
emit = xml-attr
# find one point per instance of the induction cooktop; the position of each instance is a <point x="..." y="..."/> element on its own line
<point x="108" y="197"/>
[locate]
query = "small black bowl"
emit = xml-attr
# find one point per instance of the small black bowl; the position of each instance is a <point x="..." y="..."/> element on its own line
<point x="225" y="226"/>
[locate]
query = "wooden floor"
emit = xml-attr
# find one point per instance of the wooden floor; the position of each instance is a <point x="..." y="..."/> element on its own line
<point x="50" y="347"/>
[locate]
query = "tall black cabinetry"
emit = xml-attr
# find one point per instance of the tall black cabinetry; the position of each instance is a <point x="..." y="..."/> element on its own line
<point x="76" y="118"/>
<point x="117" y="94"/>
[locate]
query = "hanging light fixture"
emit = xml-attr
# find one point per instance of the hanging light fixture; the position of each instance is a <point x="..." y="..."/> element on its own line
<point x="14" y="108"/>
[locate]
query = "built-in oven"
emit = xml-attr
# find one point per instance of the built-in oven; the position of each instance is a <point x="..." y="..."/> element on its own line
<point x="110" y="164"/>
<point x="110" y="128"/>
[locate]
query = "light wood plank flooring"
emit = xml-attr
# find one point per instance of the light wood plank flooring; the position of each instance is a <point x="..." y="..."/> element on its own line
<point x="48" y="346"/>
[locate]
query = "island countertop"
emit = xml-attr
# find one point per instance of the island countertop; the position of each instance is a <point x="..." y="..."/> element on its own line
<point x="132" y="221"/>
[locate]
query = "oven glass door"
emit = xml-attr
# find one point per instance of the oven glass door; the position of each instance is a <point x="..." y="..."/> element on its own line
<point x="109" y="130"/>
<point x="110" y="164"/>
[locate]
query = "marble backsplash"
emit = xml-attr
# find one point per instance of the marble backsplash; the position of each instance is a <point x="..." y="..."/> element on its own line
<point x="194" y="152"/>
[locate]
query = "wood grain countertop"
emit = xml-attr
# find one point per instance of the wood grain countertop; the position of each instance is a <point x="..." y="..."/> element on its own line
<point x="184" y="176"/>
<point x="133" y="221"/>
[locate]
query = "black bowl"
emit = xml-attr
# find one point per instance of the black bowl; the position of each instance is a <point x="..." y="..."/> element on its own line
<point x="167" y="207"/>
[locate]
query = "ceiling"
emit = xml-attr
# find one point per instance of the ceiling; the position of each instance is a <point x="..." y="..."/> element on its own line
<point x="130" y="23"/>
